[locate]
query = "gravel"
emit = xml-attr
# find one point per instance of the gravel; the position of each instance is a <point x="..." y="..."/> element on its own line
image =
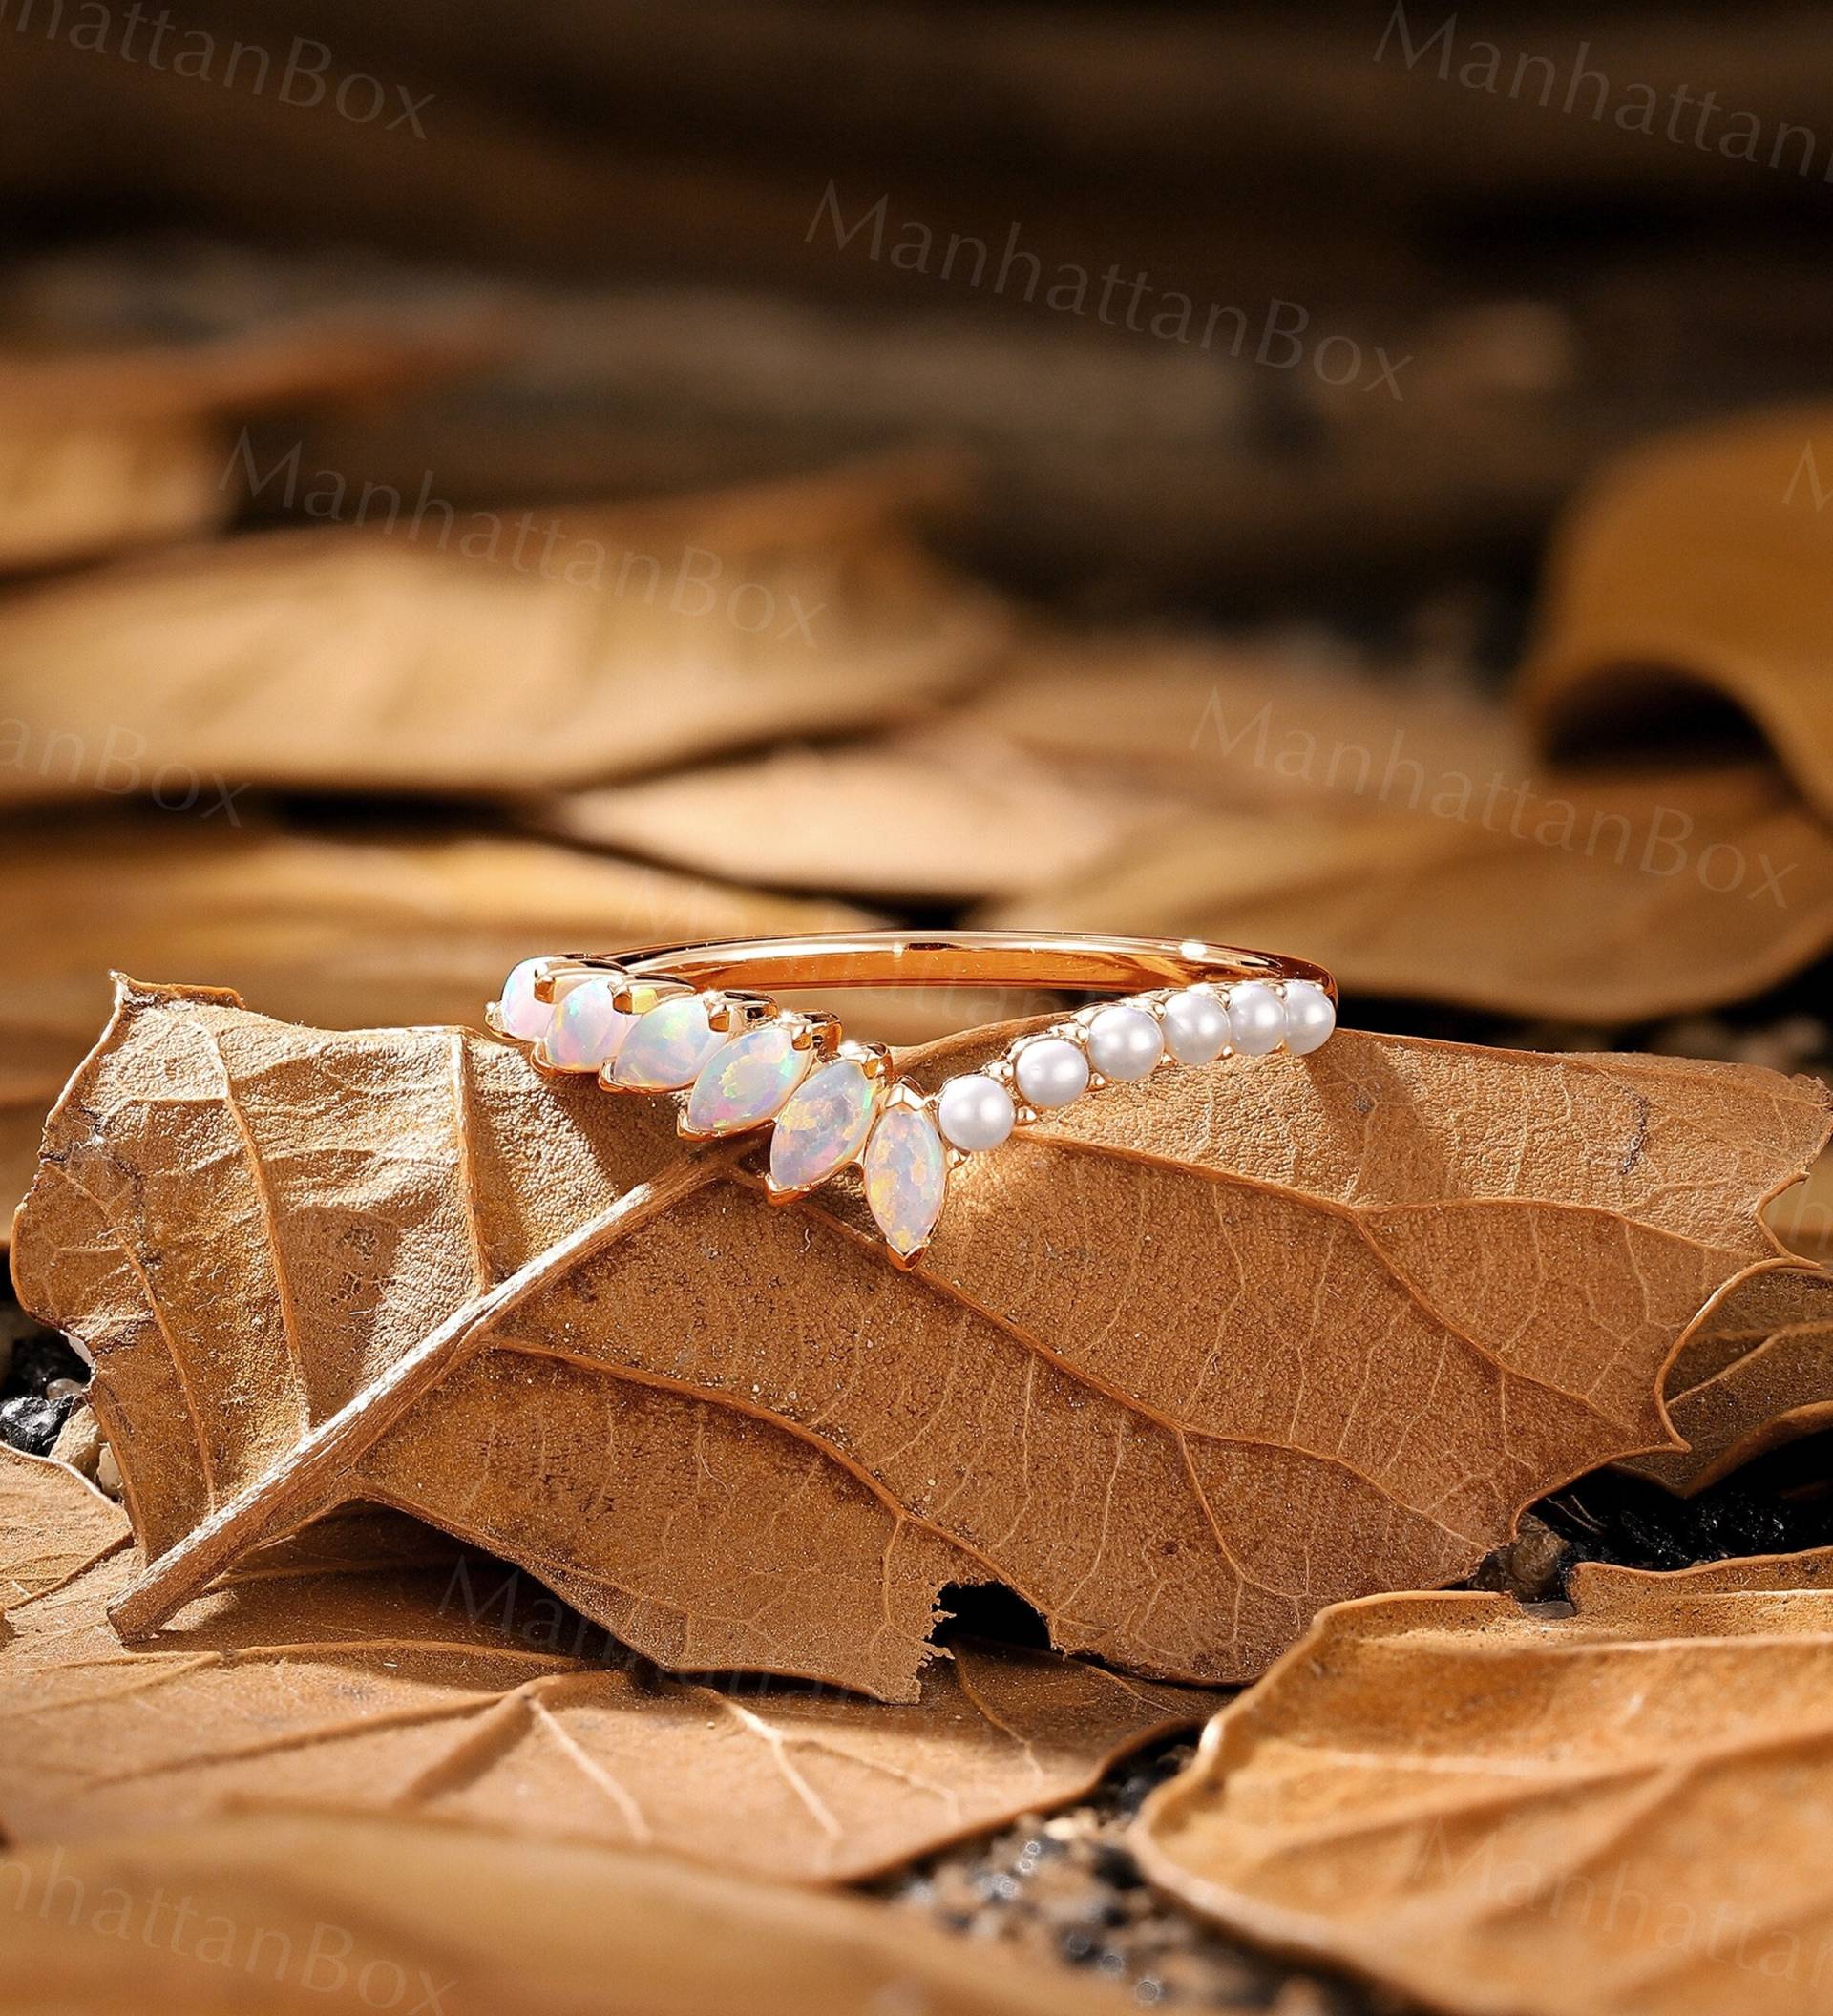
<point x="44" y="1378"/>
<point x="1065" y="1891"/>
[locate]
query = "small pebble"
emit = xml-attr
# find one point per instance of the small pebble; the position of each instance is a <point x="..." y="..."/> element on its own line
<point x="1531" y="1568"/>
<point x="80" y="1442"/>
<point x="31" y="1422"/>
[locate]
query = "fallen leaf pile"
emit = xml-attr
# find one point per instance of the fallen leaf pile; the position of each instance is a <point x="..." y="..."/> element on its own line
<point x="369" y="1667"/>
<point x="1614" y="1810"/>
<point x="150" y="710"/>
<point x="533" y="1546"/>
<point x="1421" y="845"/>
<point x="134" y="445"/>
<point x="402" y="1266"/>
<point x="1408" y="901"/>
<point x="492" y="660"/>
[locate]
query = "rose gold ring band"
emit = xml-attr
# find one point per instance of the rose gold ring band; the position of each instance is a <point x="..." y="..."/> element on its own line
<point x="952" y="958"/>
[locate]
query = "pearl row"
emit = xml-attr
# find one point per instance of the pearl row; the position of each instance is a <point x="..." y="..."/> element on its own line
<point x="1127" y="1040"/>
<point x="739" y="1062"/>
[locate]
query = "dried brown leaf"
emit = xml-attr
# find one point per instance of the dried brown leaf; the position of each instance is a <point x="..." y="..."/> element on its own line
<point x="297" y="1916"/>
<point x="948" y="814"/>
<point x="1698" y="562"/>
<point x="369" y="1666"/>
<point x="1603" y="899"/>
<point x="75" y="491"/>
<point x="1620" y="1809"/>
<point x="52" y="1526"/>
<point x="1182" y="1367"/>
<point x="328" y="930"/>
<point x="461" y="658"/>
<point x="113" y="448"/>
<point x="1757" y="1374"/>
<point x="1253" y="722"/>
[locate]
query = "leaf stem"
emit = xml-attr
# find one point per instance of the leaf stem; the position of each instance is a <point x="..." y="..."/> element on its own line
<point x="303" y="1482"/>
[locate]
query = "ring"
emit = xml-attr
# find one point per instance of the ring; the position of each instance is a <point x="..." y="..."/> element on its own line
<point x="695" y="1020"/>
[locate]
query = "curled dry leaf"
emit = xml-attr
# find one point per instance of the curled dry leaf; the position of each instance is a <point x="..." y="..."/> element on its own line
<point x="499" y="654"/>
<point x="1699" y="564"/>
<point x="1602" y="899"/>
<point x="328" y="930"/>
<point x="1620" y="1811"/>
<point x="1181" y="1368"/>
<point x="367" y="1665"/>
<point x="942" y="816"/>
<point x="299" y="1915"/>
<point x="1757" y="1374"/>
<point x="1803" y="1217"/>
<point x="113" y="448"/>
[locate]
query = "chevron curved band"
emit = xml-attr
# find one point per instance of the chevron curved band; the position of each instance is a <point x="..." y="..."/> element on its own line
<point x="695" y="1020"/>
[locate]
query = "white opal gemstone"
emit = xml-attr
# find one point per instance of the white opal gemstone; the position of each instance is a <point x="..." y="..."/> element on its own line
<point x="975" y="1112"/>
<point x="906" y="1177"/>
<point x="586" y="1030"/>
<point x="1196" y="1025"/>
<point x="1051" y="1071"/>
<point x="1124" y="1042"/>
<point x="824" y="1125"/>
<point x="670" y="1047"/>
<point x="1310" y="1015"/>
<point x="1257" y="1019"/>
<point x="522" y="1014"/>
<point x="748" y="1079"/>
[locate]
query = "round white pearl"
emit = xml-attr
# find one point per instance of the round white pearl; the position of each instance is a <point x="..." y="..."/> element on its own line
<point x="1196" y="1027"/>
<point x="1310" y="1015"/>
<point x="974" y="1112"/>
<point x="1051" y="1072"/>
<point x="1257" y="1019"/>
<point x="1124" y="1042"/>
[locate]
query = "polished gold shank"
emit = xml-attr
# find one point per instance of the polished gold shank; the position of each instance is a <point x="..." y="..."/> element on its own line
<point x="952" y="958"/>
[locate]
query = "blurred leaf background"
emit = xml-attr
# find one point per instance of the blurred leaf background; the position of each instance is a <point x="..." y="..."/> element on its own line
<point x="474" y="478"/>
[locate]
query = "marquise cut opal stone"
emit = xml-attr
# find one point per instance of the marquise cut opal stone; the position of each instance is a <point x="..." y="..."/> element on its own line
<point x="586" y="1031"/>
<point x="521" y="1014"/>
<point x="670" y="1047"/>
<point x="823" y="1127"/>
<point x="748" y="1081"/>
<point x="906" y="1177"/>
